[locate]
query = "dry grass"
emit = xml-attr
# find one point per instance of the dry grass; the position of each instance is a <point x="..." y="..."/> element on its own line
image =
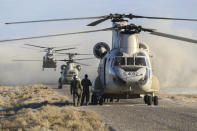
<point x="26" y="109"/>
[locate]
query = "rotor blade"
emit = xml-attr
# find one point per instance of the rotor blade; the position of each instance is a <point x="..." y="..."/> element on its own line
<point x="174" y="37"/>
<point x="62" y="60"/>
<point x="58" y="55"/>
<point x="67" y="46"/>
<point x="98" y="21"/>
<point x="83" y="59"/>
<point x="65" y="49"/>
<point x="161" y="18"/>
<point x="27" y="60"/>
<point x="51" y="20"/>
<point x="81" y="63"/>
<point x="35" y="46"/>
<point x="30" y="48"/>
<point x="46" y="36"/>
<point x="82" y="54"/>
<point x="72" y="53"/>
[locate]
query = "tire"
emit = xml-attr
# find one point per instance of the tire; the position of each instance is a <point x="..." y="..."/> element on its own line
<point x="111" y="100"/>
<point x="60" y="87"/>
<point x="145" y="99"/>
<point x="149" y="100"/>
<point x="94" y="99"/>
<point x="59" y="84"/>
<point x="101" y="101"/>
<point x="155" y="100"/>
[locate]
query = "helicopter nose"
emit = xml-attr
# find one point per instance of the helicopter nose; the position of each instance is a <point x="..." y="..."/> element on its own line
<point x="136" y="76"/>
<point x="131" y="76"/>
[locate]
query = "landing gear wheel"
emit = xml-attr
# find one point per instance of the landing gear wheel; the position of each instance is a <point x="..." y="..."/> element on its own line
<point x="117" y="100"/>
<point x="94" y="99"/>
<point x="149" y="100"/>
<point x="59" y="86"/>
<point x="111" y="100"/>
<point x="155" y="100"/>
<point x="101" y="101"/>
<point x="145" y="99"/>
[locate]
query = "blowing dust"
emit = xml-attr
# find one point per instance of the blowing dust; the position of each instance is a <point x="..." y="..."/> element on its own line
<point x="174" y="61"/>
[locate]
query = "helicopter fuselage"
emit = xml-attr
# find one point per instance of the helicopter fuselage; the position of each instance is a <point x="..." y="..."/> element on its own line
<point x="67" y="73"/>
<point x="49" y="61"/>
<point x="123" y="74"/>
<point x="125" y="71"/>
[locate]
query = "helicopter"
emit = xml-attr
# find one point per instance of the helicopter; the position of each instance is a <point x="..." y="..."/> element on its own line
<point x="69" y="69"/>
<point x="125" y="71"/>
<point x="49" y="60"/>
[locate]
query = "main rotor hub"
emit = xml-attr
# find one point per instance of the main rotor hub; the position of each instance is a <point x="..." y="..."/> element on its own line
<point x="117" y="17"/>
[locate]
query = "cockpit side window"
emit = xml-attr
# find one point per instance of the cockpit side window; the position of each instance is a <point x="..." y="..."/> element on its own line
<point x="119" y="61"/>
<point x="141" y="54"/>
<point x="130" y="61"/>
<point x="140" y="61"/>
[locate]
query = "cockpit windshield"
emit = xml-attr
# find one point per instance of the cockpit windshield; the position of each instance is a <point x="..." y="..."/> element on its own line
<point x="119" y="61"/>
<point x="140" y="61"/>
<point x="130" y="61"/>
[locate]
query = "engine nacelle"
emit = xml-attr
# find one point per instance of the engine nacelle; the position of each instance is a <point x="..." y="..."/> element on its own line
<point x="63" y="67"/>
<point x="100" y="49"/>
<point x="144" y="46"/>
<point x="78" y="67"/>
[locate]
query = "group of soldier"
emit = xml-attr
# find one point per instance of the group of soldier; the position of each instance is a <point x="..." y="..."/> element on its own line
<point x="80" y="90"/>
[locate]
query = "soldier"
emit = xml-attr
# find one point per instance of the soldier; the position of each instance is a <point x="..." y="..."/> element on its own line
<point x="76" y="90"/>
<point x="86" y="93"/>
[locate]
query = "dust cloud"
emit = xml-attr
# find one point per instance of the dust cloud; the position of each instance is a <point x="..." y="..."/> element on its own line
<point x="174" y="62"/>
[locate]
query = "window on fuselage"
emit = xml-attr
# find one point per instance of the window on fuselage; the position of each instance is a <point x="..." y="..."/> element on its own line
<point x="119" y="61"/>
<point x="140" y="61"/>
<point x="130" y="61"/>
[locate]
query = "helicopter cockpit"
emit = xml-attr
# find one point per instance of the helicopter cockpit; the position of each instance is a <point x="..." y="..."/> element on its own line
<point x="130" y="61"/>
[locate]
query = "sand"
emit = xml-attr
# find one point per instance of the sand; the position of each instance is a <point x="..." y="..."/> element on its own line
<point x="37" y="107"/>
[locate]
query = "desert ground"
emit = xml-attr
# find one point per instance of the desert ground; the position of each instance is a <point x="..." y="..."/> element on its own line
<point x="38" y="107"/>
<point x="44" y="107"/>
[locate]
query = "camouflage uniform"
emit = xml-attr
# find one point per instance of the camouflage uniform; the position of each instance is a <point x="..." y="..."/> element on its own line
<point x="86" y="93"/>
<point x="76" y="90"/>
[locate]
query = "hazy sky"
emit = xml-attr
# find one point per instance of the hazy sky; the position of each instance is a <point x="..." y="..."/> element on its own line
<point x="166" y="51"/>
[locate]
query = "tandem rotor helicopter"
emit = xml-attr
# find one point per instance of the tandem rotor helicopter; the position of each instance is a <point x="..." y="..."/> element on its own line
<point x="70" y="69"/>
<point x="49" y="60"/>
<point x="125" y="71"/>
